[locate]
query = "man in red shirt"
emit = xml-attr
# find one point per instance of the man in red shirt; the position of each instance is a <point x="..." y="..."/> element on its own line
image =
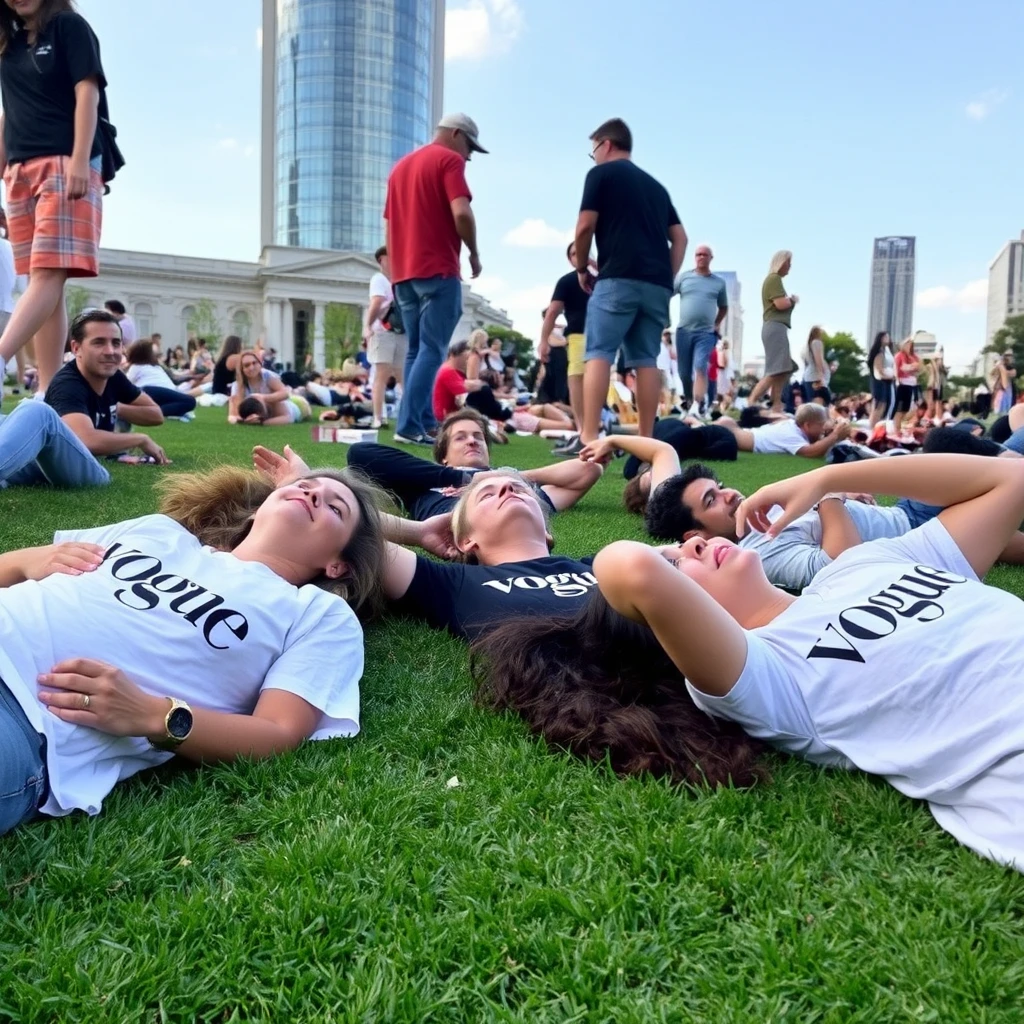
<point x="450" y="384"/>
<point x="429" y="216"/>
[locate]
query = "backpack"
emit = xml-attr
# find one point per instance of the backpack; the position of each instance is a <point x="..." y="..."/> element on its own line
<point x="391" y="318"/>
<point x="112" y="160"/>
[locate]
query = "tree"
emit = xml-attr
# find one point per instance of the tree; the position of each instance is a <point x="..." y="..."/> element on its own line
<point x="849" y="376"/>
<point x="343" y="333"/>
<point x="76" y="298"/>
<point x="965" y="383"/>
<point x="203" y="323"/>
<point x="1010" y="336"/>
<point x="522" y="345"/>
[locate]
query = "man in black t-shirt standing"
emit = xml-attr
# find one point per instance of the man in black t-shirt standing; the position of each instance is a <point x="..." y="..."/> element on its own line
<point x="570" y="299"/>
<point x="640" y="248"/>
<point x="91" y="393"/>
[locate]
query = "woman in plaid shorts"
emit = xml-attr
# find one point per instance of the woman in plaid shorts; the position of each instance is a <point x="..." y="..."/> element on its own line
<point x="50" y="82"/>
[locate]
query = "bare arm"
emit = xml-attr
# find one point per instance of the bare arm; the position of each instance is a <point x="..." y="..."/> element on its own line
<point x="662" y="457"/>
<point x="586" y="225"/>
<point x="786" y="302"/>
<point x="101" y="442"/>
<point x="677" y="247"/>
<point x="723" y="312"/>
<point x="143" y="412"/>
<point x="824" y="444"/>
<point x="555" y="310"/>
<point x="838" y="531"/>
<point x="465" y="223"/>
<point x="373" y="312"/>
<point x="702" y="639"/>
<point x="565" y="482"/>
<point x="983" y="499"/>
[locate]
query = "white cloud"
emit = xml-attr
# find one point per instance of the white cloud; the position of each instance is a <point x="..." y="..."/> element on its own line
<point x="233" y="147"/>
<point x="535" y="233"/>
<point x="972" y="296"/>
<point x="979" y="109"/>
<point x="481" y="28"/>
<point x="523" y="305"/>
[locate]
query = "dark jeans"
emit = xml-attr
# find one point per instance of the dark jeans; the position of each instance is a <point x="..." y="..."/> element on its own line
<point x="171" y="402"/>
<point x="431" y="308"/>
<point x="487" y="405"/>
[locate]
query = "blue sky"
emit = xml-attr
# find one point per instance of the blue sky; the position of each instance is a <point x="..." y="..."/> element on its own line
<point x="813" y="126"/>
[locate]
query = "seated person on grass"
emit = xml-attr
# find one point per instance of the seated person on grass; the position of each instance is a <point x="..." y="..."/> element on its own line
<point x="452" y="390"/>
<point x="499" y="530"/>
<point x="145" y="372"/>
<point x="277" y="405"/>
<point x="809" y="434"/>
<point x="90" y="393"/>
<point x="695" y="504"/>
<point x="461" y="451"/>
<point x="226" y="622"/>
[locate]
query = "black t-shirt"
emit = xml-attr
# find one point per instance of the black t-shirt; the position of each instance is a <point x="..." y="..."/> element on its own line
<point x="37" y="85"/>
<point x="575" y="299"/>
<point x="634" y="215"/>
<point x="467" y="599"/>
<point x="223" y="378"/>
<point x="70" y="392"/>
<point x="710" y="442"/>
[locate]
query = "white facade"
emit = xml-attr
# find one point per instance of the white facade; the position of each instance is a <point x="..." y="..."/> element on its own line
<point x="1005" y="287"/>
<point x="925" y="343"/>
<point x="732" y="325"/>
<point x="280" y="299"/>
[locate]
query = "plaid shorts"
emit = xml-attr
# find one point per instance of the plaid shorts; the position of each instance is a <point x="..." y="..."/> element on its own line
<point x="46" y="229"/>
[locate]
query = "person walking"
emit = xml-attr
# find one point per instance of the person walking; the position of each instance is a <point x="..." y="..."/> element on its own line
<point x="778" y="318"/>
<point x="640" y="248"/>
<point x="429" y="217"/>
<point x="385" y="346"/>
<point x="703" y="305"/>
<point x="50" y="83"/>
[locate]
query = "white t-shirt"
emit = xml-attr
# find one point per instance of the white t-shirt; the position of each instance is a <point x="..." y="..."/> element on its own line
<point x="784" y="438"/>
<point x="899" y="661"/>
<point x="8" y="278"/>
<point x="178" y="619"/>
<point x="129" y="333"/>
<point x="151" y="376"/>
<point x="811" y="367"/>
<point x="267" y="378"/>
<point x="380" y="286"/>
<point x="795" y="557"/>
<point x="665" y="360"/>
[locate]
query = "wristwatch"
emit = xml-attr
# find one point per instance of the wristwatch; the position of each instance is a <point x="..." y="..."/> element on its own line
<point x="177" y="726"/>
<point x="830" y="497"/>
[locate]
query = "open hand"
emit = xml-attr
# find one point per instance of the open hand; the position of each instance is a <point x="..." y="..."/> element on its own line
<point x="796" y="496"/>
<point x="437" y="536"/>
<point x="278" y="469"/>
<point x="94" y="694"/>
<point x="601" y="451"/>
<point x="69" y="559"/>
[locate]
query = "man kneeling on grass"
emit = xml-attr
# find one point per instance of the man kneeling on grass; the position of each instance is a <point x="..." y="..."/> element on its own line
<point x="809" y="434"/>
<point x="462" y="450"/>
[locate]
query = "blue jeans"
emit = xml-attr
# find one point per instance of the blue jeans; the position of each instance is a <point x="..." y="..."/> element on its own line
<point x="37" y="447"/>
<point x="693" y="352"/>
<point x="431" y="308"/>
<point x="1015" y="442"/>
<point x="22" y="764"/>
<point x="918" y="512"/>
<point x="627" y="314"/>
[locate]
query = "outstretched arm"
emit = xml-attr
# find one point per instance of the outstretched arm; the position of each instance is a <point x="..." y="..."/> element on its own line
<point x="983" y="499"/>
<point x="702" y="639"/>
<point x="662" y="457"/>
<point x="565" y="482"/>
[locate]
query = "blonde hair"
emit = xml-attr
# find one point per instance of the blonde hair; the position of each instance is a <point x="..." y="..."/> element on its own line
<point x="218" y="506"/>
<point x="778" y="259"/>
<point x="478" y="336"/>
<point x="460" y="514"/>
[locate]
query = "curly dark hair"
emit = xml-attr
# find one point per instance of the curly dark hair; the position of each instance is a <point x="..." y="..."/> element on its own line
<point x="601" y="687"/>
<point x="667" y="518"/>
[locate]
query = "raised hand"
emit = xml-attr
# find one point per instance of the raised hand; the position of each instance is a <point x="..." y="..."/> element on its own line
<point x="278" y="469"/>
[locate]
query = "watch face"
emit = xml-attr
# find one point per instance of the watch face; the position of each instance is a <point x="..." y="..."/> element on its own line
<point x="179" y="723"/>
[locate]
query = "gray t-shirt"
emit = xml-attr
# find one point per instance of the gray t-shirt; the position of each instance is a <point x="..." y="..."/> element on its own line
<point x="701" y="296"/>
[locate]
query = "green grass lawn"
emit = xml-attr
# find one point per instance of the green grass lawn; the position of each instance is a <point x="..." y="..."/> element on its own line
<point x="350" y="881"/>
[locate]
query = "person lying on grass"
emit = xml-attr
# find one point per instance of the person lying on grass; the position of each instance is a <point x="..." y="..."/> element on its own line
<point x="499" y="533"/>
<point x="223" y="628"/>
<point x="810" y="434"/>
<point x="897" y="660"/>
<point x="461" y="451"/>
<point x="694" y="503"/>
<point x="277" y="406"/>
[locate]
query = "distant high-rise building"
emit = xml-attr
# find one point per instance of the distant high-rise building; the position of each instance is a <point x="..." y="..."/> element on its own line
<point x="349" y="87"/>
<point x="892" y="288"/>
<point x="732" y="325"/>
<point x="1005" y="287"/>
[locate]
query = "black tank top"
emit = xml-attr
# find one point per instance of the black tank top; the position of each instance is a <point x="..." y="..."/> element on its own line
<point x="222" y="379"/>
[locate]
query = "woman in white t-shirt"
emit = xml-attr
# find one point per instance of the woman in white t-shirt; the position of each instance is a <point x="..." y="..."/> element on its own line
<point x="212" y="631"/>
<point x="896" y="660"/>
<point x="882" y="367"/>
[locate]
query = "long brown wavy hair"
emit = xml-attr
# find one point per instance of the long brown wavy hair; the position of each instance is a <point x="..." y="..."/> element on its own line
<point x="11" y="23"/>
<point x="218" y="507"/>
<point x="600" y="686"/>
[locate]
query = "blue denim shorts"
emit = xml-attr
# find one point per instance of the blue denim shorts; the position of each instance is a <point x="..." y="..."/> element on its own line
<point x="627" y="314"/>
<point x="22" y="764"/>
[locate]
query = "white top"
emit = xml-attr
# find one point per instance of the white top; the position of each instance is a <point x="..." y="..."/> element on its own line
<point x="795" y="557"/>
<point x="267" y="377"/>
<point x="898" y="661"/>
<point x="381" y="286"/>
<point x="8" y="278"/>
<point x="725" y="373"/>
<point x="811" y="368"/>
<point x="178" y="619"/>
<point x="665" y="360"/>
<point x="784" y="438"/>
<point x="149" y="376"/>
<point x="888" y="365"/>
<point x="129" y="333"/>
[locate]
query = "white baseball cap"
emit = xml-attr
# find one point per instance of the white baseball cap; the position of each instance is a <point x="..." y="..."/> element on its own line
<point x="465" y="124"/>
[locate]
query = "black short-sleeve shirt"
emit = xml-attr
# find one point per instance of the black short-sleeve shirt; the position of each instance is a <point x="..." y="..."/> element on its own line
<point x="70" y="392"/>
<point x="468" y="599"/>
<point x="634" y="213"/>
<point x="575" y="299"/>
<point x="37" y="85"/>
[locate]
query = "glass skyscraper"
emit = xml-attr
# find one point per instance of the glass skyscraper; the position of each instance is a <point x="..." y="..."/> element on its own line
<point x="891" y="306"/>
<point x="350" y="86"/>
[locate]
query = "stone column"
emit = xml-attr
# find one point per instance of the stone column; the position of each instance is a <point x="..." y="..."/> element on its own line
<point x="319" y="347"/>
<point x="285" y="333"/>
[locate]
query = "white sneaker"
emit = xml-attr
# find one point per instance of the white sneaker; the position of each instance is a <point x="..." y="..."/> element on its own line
<point x="695" y="410"/>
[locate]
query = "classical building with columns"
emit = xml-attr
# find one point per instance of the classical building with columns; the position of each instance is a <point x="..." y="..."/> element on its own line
<point x="282" y="299"/>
